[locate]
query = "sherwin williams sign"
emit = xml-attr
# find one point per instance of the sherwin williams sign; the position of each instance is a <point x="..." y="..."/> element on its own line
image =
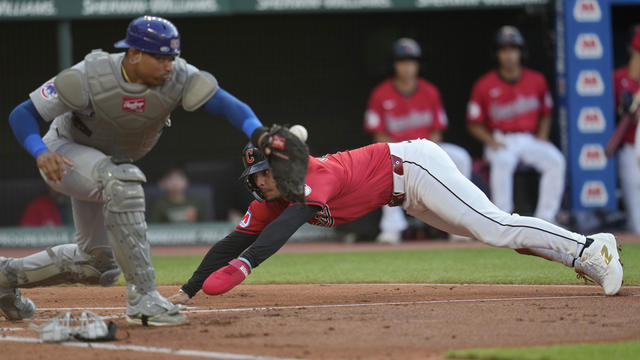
<point x="75" y="9"/>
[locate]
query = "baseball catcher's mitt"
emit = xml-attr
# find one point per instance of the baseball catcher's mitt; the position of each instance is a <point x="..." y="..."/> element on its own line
<point x="288" y="157"/>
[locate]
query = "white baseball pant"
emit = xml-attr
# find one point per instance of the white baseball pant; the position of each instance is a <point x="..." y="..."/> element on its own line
<point x="542" y="156"/>
<point x="438" y="194"/>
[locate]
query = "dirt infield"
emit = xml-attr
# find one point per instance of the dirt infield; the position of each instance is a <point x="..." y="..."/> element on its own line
<point x="381" y="321"/>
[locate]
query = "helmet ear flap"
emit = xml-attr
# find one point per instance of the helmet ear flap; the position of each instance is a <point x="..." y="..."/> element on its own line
<point x="253" y="189"/>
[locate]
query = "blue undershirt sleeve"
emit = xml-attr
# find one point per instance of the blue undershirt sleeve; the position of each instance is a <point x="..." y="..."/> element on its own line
<point x="237" y="113"/>
<point x="24" y="123"/>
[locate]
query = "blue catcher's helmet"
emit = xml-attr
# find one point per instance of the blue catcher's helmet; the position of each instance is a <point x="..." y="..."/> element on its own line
<point x="152" y="34"/>
<point x="406" y="48"/>
<point x="254" y="161"/>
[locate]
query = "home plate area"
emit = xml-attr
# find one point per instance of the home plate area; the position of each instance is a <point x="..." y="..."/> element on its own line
<point x="337" y="321"/>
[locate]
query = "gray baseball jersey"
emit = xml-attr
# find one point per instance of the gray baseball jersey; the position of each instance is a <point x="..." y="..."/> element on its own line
<point x="121" y="119"/>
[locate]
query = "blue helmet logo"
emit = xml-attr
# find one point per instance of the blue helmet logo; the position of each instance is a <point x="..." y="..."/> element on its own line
<point x="152" y="34"/>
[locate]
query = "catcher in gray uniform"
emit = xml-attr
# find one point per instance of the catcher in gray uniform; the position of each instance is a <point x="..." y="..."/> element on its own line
<point x="109" y="111"/>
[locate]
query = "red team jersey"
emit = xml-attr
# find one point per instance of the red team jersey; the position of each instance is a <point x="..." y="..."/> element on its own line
<point x="510" y="107"/>
<point x="622" y="82"/>
<point x="402" y="117"/>
<point x="345" y="186"/>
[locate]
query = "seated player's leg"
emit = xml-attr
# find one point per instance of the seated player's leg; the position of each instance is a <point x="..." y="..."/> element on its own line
<point x="127" y="233"/>
<point x="433" y="183"/>
<point x="460" y="157"/>
<point x="503" y="163"/>
<point x="392" y="223"/>
<point x="549" y="161"/>
<point x="629" y="170"/>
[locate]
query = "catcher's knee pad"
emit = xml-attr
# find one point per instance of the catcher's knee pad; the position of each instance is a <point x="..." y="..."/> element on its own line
<point x="62" y="264"/>
<point x="124" y="219"/>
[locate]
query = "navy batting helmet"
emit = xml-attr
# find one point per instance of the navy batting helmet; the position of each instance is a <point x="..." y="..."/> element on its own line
<point x="406" y="48"/>
<point x="509" y="35"/>
<point x="152" y="34"/>
<point x="253" y="161"/>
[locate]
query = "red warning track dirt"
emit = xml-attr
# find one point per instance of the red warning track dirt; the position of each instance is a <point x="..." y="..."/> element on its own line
<point x="382" y="321"/>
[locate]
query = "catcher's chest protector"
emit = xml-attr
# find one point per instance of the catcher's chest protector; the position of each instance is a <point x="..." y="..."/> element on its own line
<point x="127" y="118"/>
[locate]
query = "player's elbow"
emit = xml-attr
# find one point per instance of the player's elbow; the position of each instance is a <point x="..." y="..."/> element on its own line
<point x="24" y="109"/>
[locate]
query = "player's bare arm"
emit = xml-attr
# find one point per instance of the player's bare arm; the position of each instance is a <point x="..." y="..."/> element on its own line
<point x="544" y="127"/>
<point x="480" y="132"/>
<point x="436" y="136"/>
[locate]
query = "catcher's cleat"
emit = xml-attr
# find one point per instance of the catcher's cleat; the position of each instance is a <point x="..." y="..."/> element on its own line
<point x="151" y="309"/>
<point x="15" y="307"/>
<point x="163" y="319"/>
<point x="600" y="262"/>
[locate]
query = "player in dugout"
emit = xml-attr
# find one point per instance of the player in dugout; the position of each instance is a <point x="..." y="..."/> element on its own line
<point x="626" y="82"/>
<point x="510" y="112"/>
<point x="404" y="107"/>
<point x="415" y="174"/>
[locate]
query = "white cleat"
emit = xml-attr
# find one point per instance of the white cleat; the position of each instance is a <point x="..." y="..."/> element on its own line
<point x="601" y="262"/>
<point x="15" y="307"/>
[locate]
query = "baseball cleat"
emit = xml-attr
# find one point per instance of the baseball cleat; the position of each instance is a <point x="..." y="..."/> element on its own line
<point x="15" y="307"/>
<point x="151" y="309"/>
<point x="601" y="262"/>
<point x="168" y="318"/>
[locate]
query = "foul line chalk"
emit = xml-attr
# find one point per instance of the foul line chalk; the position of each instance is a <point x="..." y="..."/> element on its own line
<point x="150" y="349"/>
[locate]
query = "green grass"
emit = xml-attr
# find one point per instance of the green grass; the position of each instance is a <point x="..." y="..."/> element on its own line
<point x="627" y="350"/>
<point x="475" y="265"/>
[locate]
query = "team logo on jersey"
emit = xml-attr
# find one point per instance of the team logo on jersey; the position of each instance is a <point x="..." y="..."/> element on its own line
<point x="593" y="194"/>
<point x="592" y="157"/>
<point x="322" y="218"/>
<point x="591" y="120"/>
<point x="246" y="219"/>
<point x="495" y="92"/>
<point x="590" y="83"/>
<point x="588" y="46"/>
<point x="133" y="104"/>
<point x="307" y="190"/>
<point x="48" y="91"/>
<point x="587" y="11"/>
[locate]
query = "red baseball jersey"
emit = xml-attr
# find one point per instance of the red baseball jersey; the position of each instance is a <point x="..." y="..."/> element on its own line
<point x="510" y="107"/>
<point x="621" y="83"/>
<point x="405" y="117"/>
<point x="346" y="186"/>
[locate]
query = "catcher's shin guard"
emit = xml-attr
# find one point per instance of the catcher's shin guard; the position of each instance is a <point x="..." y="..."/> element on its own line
<point x="127" y="232"/>
<point x="124" y="219"/>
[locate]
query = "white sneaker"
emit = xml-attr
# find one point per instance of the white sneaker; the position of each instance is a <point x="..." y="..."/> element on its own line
<point x="601" y="262"/>
<point x="393" y="238"/>
<point x="15" y="307"/>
